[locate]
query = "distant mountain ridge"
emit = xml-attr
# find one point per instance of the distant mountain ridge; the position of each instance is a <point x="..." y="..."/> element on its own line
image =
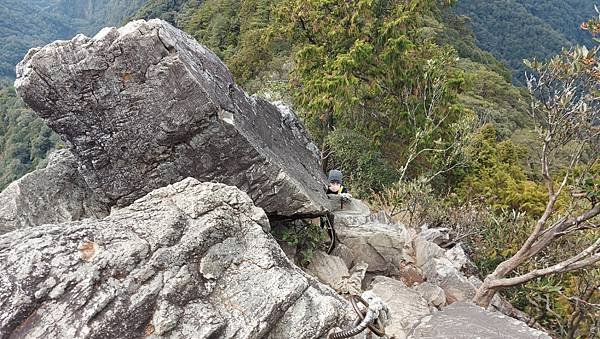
<point x="30" y="23"/>
<point x="513" y="30"/>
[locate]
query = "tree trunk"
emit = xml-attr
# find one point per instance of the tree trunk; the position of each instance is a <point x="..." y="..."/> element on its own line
<point x="326" y="127"/>
<point x="485" y="293"/>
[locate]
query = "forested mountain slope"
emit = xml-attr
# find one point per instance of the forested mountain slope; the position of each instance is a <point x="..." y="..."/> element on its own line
<point x="24" y="138"/>
<point x="168" y="10"/>
<point x="513" y="30"/>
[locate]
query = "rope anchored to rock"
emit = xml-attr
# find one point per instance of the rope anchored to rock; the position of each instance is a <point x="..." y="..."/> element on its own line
<point x="372" y="318"/>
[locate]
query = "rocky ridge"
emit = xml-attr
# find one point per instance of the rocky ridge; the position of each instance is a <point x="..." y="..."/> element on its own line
<point x="177" y="257"/>
<point x="54" y="194"/>
<point x="188" y="260"/>
<point x="427" y="288"/>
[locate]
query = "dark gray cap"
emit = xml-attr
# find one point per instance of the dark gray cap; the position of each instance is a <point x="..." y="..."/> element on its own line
<point x="335" y="175"/>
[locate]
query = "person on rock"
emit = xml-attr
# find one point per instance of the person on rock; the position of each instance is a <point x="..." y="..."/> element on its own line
<point x="334" y="187"/>
<point x="335" y="184"/>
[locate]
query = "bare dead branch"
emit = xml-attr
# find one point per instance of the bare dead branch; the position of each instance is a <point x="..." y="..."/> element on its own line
<point x="559" y="228"/>
<point x="587" y="257"/>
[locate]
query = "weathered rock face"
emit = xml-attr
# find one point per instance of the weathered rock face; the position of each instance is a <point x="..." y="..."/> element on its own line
<point x="437" y="236"/>
<point x="439" y="269"/>
<point x="406" y="306"/>
<point x="426" y="251"/>
<point x="145" y="105"/>
<point x="381" y="246"/>
<point x="371" y="238"/>
<point x="328" y="268"/>
<point x="188" y="260"/>
<point x="441" y="272"/>
<point x="54" y="194"/>
<point x="464" y="320"/>
<point x="434" y="294"/>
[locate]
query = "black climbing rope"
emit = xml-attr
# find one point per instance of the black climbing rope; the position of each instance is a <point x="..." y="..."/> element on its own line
<point x="328" y="226"/>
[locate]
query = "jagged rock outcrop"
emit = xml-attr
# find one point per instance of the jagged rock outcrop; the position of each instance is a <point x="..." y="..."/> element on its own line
<point x="437" y="236"/>
<point x="371" y="238"/>
<point x="406" y="306"/>
<point x="438" y="269"/>
<point x="461" y="260"/>
<point x="145" y="105"/>
<point x="422" y="278"/>
<point x="465" y="320"/>
<point x="434" y="294"/>
<point x="328" y="268"/>
<point x="54" y="194"/>
<point x="332" y="271"/>
<point x="188" y="260"/>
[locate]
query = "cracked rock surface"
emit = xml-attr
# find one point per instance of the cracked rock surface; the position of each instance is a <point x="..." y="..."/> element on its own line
<point x="54" y="194"/>
<point x="187" y="260"/>
<point x="145" y="105"/>
<point x="465" y="320"/>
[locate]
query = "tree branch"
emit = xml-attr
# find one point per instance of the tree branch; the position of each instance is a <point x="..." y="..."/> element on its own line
<point x="559" y="228"/>
<point x="587" y="257"/>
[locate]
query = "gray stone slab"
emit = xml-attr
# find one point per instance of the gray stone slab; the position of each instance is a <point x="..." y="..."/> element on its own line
<point x="468" y="321"/>
<point x="54" y="194"/>
<point x="145" y="105"/>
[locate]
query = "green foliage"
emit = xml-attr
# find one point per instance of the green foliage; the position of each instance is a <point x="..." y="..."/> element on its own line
<point x="366" y="169"/>
<point x="239" y="32"/>
<point x="306" y="236"/>
<point x="32" y="23"/>
<point x="352" y="58"/>
<point x="168" y="10"/>
<point x="495" y="176"/>
<point x="494" y="99"/>
<point x="411" y="201"/>
<point x="24" y="138"/>
<point x="455" y="31"/>
<point x="216" y="24"/>
<point x="490" y="237"/>
<point x="551" y="300"/>
<point x="372" y="67"/>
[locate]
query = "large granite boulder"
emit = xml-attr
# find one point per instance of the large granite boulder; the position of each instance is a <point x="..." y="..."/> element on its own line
<point x="329" y="269"/>
<point x="465" y="320"/>
<point x="434" y="294"/>
<point x="54" y="194"/>
<point x="439" y="268"/>
<point x="145" y="105"/>
<point x="190" y="260"/>
<point x="370" y="238"/>
<point x="426" y="251"/>
<point x="441" y="272"/>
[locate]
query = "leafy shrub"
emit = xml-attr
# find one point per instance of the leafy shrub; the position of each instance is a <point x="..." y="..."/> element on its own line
<point x="494" y="176"/>
<point x="306" y="236"/>
<point x="411" y="201"/>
